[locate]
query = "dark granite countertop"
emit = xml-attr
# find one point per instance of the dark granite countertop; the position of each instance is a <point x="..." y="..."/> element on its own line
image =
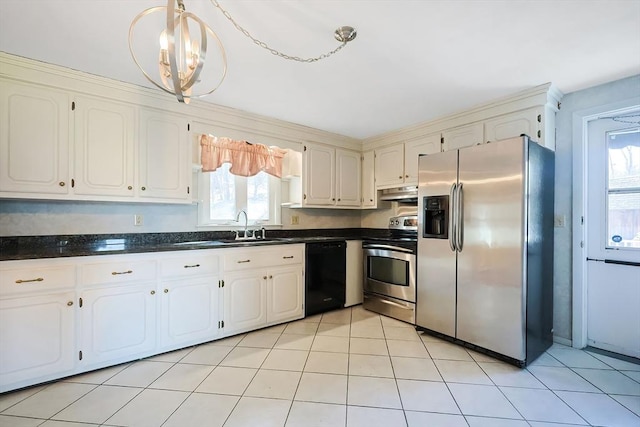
<point x="35" y="247"/>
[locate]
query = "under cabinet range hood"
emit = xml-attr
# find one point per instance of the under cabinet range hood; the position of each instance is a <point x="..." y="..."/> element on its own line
<point x="407" y="194"/>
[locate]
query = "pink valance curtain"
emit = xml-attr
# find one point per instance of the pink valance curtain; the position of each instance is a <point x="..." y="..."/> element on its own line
<point x="246" y="159"/>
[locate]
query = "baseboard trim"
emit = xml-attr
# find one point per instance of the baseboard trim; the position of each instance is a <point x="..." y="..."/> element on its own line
<point x="562" y="341"/>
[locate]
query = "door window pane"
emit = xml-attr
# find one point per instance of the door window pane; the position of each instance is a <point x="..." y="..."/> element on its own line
<point x="623" y="188"/>
<point x="223" y="194"/>
<point x="258" y="197"/>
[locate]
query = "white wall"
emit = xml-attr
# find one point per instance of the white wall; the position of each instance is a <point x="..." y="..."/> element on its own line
<point x="571" y="103"/>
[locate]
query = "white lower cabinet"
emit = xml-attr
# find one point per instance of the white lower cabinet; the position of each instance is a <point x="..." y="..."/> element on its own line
<point x="36" y="339"/>
<point x="262" y="286"/>
<point x="284" y="294"/>
<point x="37" y="322"/>
<point x="244" y="301"/>
<point x="118" y="323"/>
<point x="126" y="307"/>
<point x="189" y="312"/>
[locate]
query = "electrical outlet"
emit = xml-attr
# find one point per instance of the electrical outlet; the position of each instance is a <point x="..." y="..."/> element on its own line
<point x="559" y="221"/>
<point x="295" y="220"/>
<point x="137" y="220"/>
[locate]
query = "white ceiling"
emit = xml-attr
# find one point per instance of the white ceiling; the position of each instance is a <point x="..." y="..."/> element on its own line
<point x="411" y="61"/>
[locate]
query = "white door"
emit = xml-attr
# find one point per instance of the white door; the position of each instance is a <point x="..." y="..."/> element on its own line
<point x="104" y="141"/>
<point x="389" y="166"/>
<point x="245" y="301"/>
<point x="427" y="145"/>
<point x="348" y="186"/>
<point x="189" y="311"/>
<point x="612" y="243"/>
<point x="319" y="176"/>
<point x="284" y="294"/>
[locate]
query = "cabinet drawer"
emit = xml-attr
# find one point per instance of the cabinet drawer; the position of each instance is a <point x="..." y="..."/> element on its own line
<point x="260" y="257"/>
<point x="198" y="265"/>
<point x="39" y="279"/>
<point x="118" y="272"/>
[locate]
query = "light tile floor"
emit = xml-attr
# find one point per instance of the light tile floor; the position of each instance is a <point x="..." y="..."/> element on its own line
<point x="345" y="368"/>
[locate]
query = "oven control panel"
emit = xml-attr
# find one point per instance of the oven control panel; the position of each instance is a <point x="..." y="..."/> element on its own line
<point x="405" y="222"/>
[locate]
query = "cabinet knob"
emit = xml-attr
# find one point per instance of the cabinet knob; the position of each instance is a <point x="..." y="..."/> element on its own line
<point x="70" y="303"/>
<point x="406" y="176"/>
<point x="371" y="200"/>
<point x="339" y="199"/>
<point x="400" y="177"/>
<point x="166" y="291"/>
<point x="153" y="292"/>
<point x="264" y="277"/>
<point x="270" y="277"/>
<point x="61" y="184"/>
<point x="143" y="188"/>
<point x="129" y="188"/>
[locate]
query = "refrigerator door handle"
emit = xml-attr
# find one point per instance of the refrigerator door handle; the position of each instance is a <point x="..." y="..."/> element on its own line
<point x="460" y="218"/>
<point x="452" y="222"/>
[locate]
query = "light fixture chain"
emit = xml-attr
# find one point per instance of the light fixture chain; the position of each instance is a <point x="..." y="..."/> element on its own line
<point x="270" y="49"/>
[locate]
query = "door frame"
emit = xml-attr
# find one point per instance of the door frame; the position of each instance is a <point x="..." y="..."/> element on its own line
<point x="580" y="135"/>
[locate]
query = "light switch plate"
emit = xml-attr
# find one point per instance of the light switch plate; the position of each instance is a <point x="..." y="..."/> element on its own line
<point x="137" y="220"/>
<point x="559" y="221"/>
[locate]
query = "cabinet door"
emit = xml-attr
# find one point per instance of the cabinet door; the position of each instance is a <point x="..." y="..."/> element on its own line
<point x="463" y="136"/>
<point x="164" y="169"/>
<point x="284" y="294"/>
<point x="354" y="272"/>
<point x="428" y="145"/>
<point x="244" y="301"/>
<point x="389" y="166"/>
<point x="104" y="141"/>
<point x="34" y="140"/>
<point x="368" y="180"/>
<point x="36" y="339"/>
<point x="526" y="122"/>
<point x="319" y="175"/>
<point x="189" y="311"/>
<point x="348" y="188"/>
<point x="118" y="323"/>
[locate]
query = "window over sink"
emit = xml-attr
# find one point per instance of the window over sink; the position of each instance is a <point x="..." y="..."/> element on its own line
<point x="223" y="195"/>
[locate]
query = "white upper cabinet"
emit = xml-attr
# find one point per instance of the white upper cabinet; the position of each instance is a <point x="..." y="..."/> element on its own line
<point x="427" y="145"/>
<point x="104" y="148"/>
<point x="389" y="166"/>
<point x="369" y="199"/>
<point x="319" y="175"/>
<point x="397" y="165"/>
<point x="463" y="136"/>
<point x="34" y="140"/>
<point x="164" y="156"/>
<point x="527" y="122"/>
<point x="331" y="177"/>
<point x="348" y="184"/>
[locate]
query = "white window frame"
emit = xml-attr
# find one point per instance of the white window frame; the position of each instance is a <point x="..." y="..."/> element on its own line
<point x="204" y="211"/>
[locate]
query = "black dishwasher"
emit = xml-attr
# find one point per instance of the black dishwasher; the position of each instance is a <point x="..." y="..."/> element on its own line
<point x="325" y="276"/>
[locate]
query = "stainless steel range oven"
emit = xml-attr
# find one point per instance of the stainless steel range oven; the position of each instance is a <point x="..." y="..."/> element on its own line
<point x="390" y="270"/>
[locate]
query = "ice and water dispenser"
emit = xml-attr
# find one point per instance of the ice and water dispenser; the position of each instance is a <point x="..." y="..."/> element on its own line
<point x="436" y="217"/>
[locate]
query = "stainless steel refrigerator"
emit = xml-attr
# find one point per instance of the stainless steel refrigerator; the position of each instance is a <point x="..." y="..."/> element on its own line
<point x="485" y="247"/>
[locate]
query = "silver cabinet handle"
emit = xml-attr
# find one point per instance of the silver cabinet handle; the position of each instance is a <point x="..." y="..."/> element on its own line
<point x="39" y="279"/>
<point x="460" y="221"/>
<point x="115" y="273"/>
<point x="452" y="213"/>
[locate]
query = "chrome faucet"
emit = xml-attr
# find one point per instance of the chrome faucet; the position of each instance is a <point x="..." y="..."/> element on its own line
<point x="246" y="222"/>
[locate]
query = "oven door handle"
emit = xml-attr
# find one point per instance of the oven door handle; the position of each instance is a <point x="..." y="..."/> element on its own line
<point x="387" y="247"/>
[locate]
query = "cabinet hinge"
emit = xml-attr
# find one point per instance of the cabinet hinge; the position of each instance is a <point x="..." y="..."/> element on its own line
<point x="582" y="244"/>
<point x="222" y="323"/>
<point x="73" y="106"/>
<point x="80" y="355"/>
<point x="559" y="104"/>
<point x="221" y="283"/>
<point x="188" y="126"/>
<point x="187" y="189"/>
<point x="73" y="183"/>
<point x="304" y="197"/>
<point x="581" y="220"/>
<point x="305" y="148"/>
<point x="539" y="118"/>
<point x="80" y="302"/>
